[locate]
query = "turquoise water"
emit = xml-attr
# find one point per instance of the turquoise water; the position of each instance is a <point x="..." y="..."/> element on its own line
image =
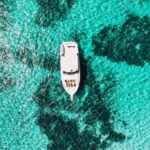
<point x="111" y="108"/>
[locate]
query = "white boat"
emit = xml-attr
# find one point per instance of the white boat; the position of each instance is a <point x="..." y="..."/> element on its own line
<point x="70" y="67"/>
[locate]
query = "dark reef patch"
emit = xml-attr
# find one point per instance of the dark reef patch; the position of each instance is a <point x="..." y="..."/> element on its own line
<point x="50" y="11"/>
<point x="32" y="58"/>
<point x="24" y="55"/>
<point x="50" y="62"/>
<point x="129" y="43"/>
<point x="63" y="131"/>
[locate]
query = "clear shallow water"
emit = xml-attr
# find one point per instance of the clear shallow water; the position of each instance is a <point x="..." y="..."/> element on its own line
<point x="111" y="108"/>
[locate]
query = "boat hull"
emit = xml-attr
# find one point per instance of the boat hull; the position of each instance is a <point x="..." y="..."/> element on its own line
<point x="70" y="67"/>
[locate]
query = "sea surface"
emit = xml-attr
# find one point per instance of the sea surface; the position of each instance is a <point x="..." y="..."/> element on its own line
<point x="110" y="111"/>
